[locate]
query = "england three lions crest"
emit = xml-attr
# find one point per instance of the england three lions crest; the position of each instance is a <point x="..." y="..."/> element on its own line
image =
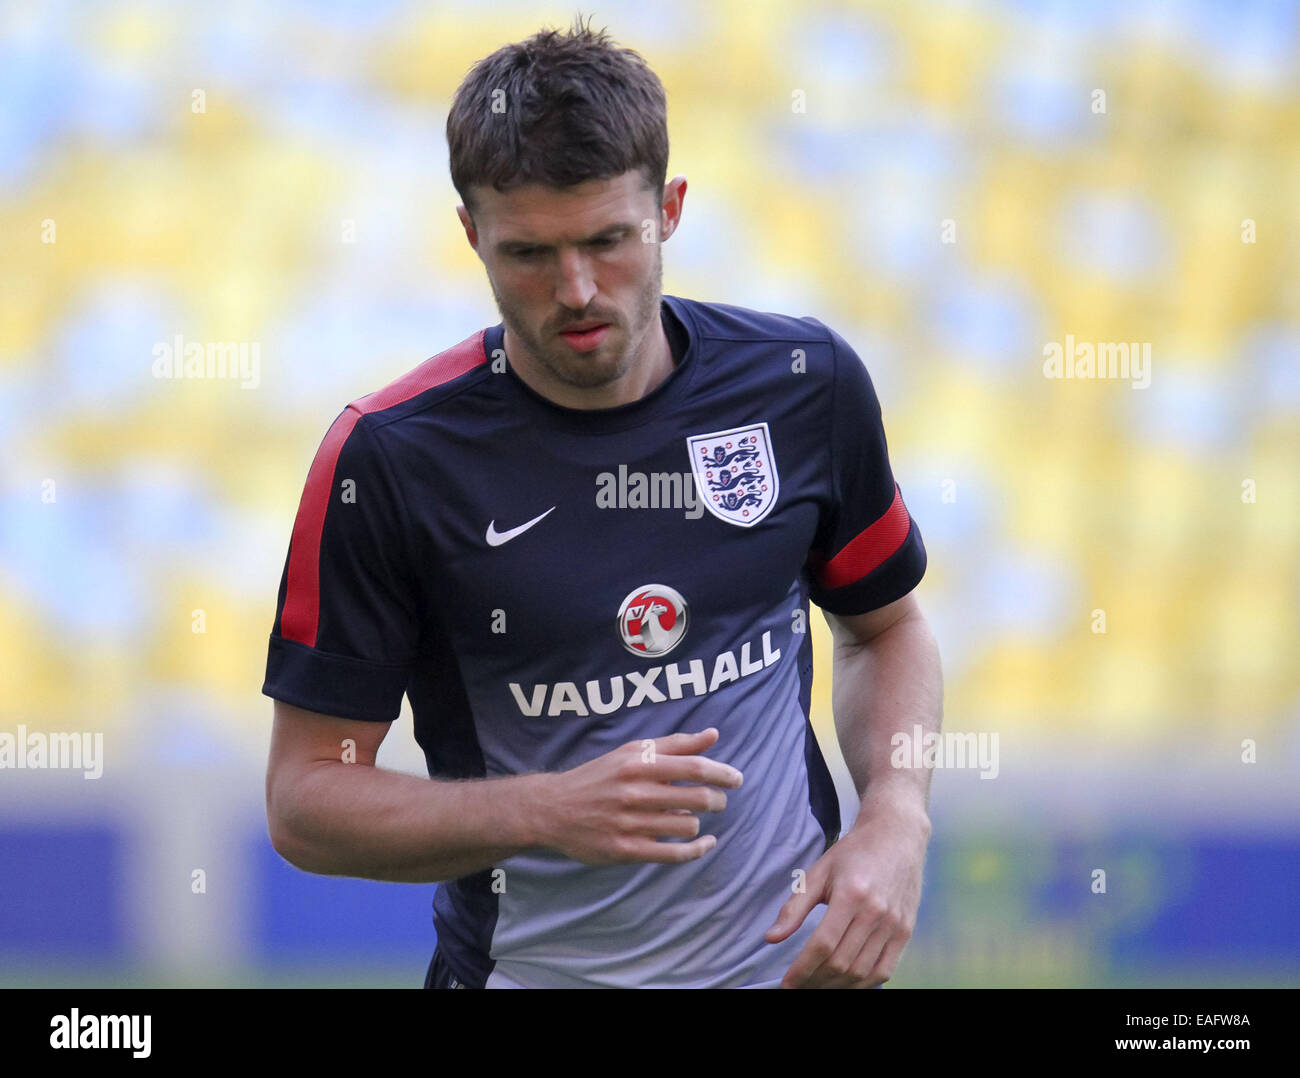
<point x="735" y="473"/>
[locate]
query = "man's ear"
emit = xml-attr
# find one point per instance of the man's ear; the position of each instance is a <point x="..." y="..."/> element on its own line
<point x="467" y="222"/>
<point x="674" y="196"/>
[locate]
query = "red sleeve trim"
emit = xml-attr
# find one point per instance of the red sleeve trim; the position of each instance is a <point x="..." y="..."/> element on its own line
<point x="300" y="614"/>
<point x="298" y="619"/>
<point x="869" y="549"/>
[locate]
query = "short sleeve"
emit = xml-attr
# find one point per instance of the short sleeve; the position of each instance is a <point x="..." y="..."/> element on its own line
<point x="347" y="620"/>
<point x="868" y="551"/>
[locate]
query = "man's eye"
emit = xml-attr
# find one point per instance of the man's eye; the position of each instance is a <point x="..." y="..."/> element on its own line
<point x="530" y="253"/>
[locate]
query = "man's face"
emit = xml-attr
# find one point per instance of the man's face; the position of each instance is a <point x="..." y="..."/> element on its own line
<point x="574" y="257"/>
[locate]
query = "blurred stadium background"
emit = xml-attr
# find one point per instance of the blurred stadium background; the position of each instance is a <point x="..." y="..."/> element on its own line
<point x="939" y="181"/>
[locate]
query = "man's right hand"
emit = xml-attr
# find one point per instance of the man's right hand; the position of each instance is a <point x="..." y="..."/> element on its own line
<point x="615" y="809"/>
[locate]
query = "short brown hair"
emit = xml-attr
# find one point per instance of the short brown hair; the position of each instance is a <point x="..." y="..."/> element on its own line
<point x="557" y="109"/>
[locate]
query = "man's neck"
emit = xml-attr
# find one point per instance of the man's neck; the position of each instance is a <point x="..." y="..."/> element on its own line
<point x="644" y="376"/>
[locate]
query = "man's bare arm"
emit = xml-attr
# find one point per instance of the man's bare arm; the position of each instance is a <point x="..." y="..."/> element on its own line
<point x="354" y="819"/>
<point x="886" y="679"/>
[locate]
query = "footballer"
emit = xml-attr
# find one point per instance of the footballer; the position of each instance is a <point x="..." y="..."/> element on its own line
<point x="613" y="702"/>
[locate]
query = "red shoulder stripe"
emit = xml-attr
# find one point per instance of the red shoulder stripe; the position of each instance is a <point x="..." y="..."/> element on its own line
<point x="302" y="591"/>
<point x="300" y="614"/>
<point x="443" y="367"/>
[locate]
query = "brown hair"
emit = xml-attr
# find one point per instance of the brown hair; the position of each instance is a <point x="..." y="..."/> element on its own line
<point x="557" y="109"/>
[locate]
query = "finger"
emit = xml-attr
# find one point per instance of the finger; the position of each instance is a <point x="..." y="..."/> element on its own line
<point x="678" y="744"/>
<point x="820" y="946"/>
<point x="888" y="962"/>
<point x="687" y="744"/>
<point x="688" y="769"/>
<point x="660" y="824"/>
<point x="796" y="908"/>
<point x="661" y="797"/>
<point x="647" y="849"/>
<point x="841" y="966"/>
<point x="853" y="973"/>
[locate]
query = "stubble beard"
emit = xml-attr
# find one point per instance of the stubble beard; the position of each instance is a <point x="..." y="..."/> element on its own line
<point x="581" y="370"/>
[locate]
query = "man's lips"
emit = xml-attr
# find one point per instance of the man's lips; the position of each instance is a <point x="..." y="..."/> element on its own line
<point x="588" y="338"/>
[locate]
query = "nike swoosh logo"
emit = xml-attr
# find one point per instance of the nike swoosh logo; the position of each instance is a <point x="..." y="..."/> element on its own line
<point x="496" y="538"/>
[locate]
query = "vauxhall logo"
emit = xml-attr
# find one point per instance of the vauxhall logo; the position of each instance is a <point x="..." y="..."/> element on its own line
<point x="652" y="620"/>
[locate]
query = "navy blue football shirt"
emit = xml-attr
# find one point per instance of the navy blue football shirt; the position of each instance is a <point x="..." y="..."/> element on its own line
<point x="546" y="584"/>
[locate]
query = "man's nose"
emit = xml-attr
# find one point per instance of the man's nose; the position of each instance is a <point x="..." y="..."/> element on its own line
<point x="575" y="289"/>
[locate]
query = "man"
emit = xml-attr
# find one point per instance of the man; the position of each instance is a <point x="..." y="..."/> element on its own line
<point x="583" y="542"/>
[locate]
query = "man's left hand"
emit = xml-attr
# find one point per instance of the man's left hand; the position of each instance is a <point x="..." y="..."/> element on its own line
<point x="870" y="881"/>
